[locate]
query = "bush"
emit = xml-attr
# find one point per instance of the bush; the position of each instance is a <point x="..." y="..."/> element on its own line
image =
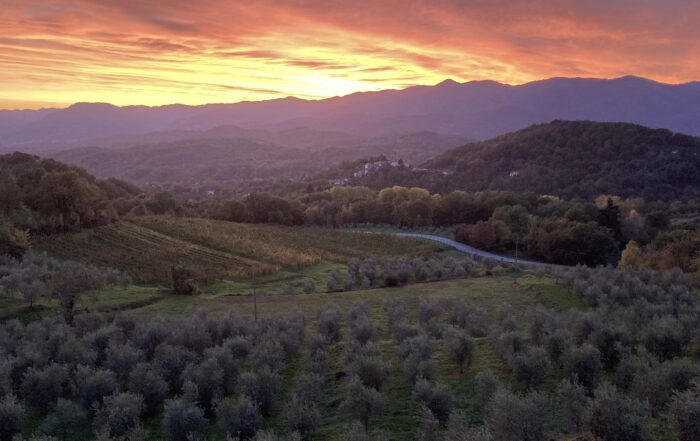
<point x="183" y="419"/>
<point x="11" y="417"/>
<point x="517" y="418"/>
<point x="239" y="417"/>
<point x="67" y="417"/>
<point x="119" y="414"/>
<point x="309" y="286"/>
<point x="184" y="280"/>
<point x="435" y="397"/>
<point x="615" y="418"/>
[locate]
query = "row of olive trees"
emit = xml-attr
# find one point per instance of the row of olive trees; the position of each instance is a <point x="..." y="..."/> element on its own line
<point x="111" y="374"/>
<point x="38" y="276"/>
<point x="392" y="272"/>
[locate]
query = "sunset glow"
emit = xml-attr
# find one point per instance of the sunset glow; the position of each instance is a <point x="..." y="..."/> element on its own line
<point x="57" y="52"/>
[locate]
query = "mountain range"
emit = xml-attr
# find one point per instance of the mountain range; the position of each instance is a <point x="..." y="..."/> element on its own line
<point x="477" y="110"/>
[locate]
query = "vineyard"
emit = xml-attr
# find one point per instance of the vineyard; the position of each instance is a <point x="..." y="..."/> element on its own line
<point x="146" y="248"/>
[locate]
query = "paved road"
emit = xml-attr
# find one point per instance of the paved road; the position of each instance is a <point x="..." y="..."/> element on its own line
<point x="474" y="251"/>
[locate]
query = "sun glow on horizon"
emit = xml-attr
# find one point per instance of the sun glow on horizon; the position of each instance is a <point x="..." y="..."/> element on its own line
<point x="59" y="52"/>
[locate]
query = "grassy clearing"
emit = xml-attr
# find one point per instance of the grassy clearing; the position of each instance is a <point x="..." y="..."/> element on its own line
<point x="145" y="248"/>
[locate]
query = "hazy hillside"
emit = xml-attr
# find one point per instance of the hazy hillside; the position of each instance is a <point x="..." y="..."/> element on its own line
<point x="478" y="110"/>
<point x="230" y="153"/>
<point x="571" y="158"/>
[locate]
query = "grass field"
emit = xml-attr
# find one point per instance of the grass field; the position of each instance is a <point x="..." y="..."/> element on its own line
<point x="145" y="248"/>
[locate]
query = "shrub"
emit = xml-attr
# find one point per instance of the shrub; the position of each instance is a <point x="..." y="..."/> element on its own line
<point x="615" y="418"/>
<point x="119" y="414"/>
<point x="183" y="419"/>
<point x="309" y="286"/>
<point x="391" y="281"/>
<point x="184" y="280"/>
<point x="11" y="417"/>
<point x="239" y="417"/>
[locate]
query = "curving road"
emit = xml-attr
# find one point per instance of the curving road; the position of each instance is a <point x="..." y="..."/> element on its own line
<point x="475" y="251"/>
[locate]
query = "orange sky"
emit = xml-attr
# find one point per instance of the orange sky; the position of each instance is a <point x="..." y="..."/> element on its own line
<point x="56" y="52"/>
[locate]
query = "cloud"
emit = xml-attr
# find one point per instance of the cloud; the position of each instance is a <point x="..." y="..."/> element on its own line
<point x="195" y="52"/>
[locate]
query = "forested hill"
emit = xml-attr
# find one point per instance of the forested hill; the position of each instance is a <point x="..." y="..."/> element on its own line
<point x="568" y="158"/>
<point x="44" y="195"/>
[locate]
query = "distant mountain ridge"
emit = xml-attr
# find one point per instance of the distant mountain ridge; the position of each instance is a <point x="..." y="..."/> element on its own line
<point x="477" y="109"/>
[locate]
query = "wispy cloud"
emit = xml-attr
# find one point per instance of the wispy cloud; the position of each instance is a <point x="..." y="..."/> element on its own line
<point x="134" y="51"/>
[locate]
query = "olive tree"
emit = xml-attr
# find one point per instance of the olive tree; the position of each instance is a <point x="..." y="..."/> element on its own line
<point x="11" y="417"/>
<point x="616" y="418"/>
<point x="119" y="414"/>
<point x="239" y="417"/>
<point x="183" y="419"/>
<point x="363" y="401"/>
<point x="460" y="347"/>
<point x="67" y="417"/>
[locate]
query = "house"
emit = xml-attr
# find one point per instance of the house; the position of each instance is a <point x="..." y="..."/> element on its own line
<point x="514" y="174"/>
<point x="338" y="182"/>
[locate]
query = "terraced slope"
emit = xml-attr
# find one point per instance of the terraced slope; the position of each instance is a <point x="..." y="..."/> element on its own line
<point x="146" y="248"/>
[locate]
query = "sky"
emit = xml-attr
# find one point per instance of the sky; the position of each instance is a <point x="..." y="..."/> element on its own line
<point x="57" y="52"/>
